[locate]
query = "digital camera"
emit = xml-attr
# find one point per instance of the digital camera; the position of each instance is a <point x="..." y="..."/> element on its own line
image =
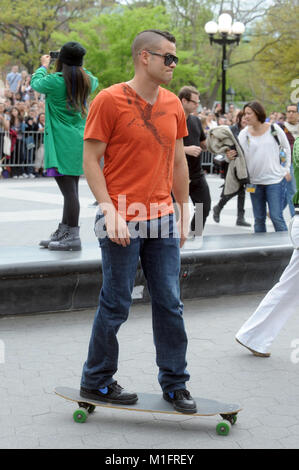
<point x="54" y="55"/>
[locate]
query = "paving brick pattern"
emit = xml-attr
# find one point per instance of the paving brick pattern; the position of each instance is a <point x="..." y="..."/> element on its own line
<point x="39" y="352"/>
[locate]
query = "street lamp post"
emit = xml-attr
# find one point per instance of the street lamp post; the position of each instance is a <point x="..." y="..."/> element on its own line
<point x="224" y="28"/>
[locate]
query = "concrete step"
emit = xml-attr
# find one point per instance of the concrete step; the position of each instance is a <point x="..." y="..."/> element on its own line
<point x="35" y="280"/>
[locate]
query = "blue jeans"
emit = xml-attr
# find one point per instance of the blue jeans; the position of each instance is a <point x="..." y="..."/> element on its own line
<point x="274" y="195"/>
<point x="160" y="260"/>
<point x="290" y="191"/>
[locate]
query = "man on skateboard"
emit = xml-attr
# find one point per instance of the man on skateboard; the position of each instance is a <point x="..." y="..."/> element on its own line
<point x="139" y="127"/>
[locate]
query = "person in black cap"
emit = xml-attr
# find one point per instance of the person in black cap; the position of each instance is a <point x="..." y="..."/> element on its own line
<point x="66" y="93"/>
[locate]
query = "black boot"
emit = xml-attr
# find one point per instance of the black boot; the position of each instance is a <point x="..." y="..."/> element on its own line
<point x="216" y="213"/>
<point x="55" y="236"/>
<point x="242" y="222"/>
<point x="70" y="241"/>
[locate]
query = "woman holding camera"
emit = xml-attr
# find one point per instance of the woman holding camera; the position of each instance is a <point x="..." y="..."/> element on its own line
<point x="66" y="93"/>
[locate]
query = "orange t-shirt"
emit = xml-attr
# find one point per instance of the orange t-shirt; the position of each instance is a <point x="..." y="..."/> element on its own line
<point x="140" y="140"/>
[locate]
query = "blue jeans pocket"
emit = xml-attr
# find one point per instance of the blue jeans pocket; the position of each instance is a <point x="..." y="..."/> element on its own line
<point x="100" y="227"/>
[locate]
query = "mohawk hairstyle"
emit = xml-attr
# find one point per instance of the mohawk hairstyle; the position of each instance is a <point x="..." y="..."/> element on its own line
<point x="149" y="38"/>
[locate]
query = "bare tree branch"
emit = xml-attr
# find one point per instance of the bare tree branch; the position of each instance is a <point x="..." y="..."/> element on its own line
<point x="241" y="62"/>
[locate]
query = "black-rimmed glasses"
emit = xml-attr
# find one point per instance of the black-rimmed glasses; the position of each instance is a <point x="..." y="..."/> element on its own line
<point x="195" y="102"/>
<point x="168" y="58"/>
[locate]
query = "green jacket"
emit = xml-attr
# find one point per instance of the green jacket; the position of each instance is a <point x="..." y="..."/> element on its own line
<point x="64" y="127"/>
<point x="296" y="170"/>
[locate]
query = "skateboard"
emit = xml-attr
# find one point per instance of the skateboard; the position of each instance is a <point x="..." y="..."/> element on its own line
<point x="154" y="403"/>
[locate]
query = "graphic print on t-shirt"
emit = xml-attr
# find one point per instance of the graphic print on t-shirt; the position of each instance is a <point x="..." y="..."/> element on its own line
<point x="140" y="147"/>
<point x="147" y="117"/>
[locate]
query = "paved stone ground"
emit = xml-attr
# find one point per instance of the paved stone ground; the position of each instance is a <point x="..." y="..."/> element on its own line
<point x="40" y="352"/>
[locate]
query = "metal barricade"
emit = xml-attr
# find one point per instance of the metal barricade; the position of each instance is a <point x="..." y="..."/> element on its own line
<point x="207" y="160"/>
<point x="26" y="151"/>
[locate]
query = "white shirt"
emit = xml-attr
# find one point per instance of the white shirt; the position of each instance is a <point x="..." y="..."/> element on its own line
<point x="212" y="124"/>
<point x="262" y="156"/>
<point x="13" y="80"/>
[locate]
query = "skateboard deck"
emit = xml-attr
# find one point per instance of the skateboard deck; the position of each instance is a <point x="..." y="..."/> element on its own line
<point x="154" y="403"/>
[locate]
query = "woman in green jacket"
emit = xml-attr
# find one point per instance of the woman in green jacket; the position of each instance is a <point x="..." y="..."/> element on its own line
<point x="66" y="93"/>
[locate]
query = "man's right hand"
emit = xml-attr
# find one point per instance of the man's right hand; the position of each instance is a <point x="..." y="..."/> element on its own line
<point x="45" y="60"/>
<point x="192" y="150"/>
<point x="117" y="228"/>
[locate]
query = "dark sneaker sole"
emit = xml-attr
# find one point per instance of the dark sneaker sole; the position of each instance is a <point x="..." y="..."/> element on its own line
<point x="95" y="396"/>
<point x="185" y="411"/>
<point x="44" y="244"/>
<point x="243" y="224"/>
<point x="56" y="248"/>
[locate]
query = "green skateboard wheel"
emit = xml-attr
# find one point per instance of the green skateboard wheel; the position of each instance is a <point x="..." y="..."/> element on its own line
<point x="80" y="415"/>
<point x="223" y="428"/>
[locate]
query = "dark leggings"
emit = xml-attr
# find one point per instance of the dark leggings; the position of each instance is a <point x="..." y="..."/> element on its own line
<point x="241" y="200"/>
<point x="68" y="186"/>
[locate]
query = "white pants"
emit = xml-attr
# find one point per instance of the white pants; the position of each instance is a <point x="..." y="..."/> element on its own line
<point x="259" y="331"/>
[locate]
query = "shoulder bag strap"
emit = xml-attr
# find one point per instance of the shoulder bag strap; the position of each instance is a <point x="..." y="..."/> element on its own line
<point x="274" y="133"/>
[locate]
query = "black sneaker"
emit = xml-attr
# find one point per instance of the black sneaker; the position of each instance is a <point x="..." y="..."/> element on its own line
<point x="113" y="393"/>
<point x="181" y="400"/>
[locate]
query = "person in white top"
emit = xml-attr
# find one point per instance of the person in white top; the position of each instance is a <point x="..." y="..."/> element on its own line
<point x="268" y="160"/>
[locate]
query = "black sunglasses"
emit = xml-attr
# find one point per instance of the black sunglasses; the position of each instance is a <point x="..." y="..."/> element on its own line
<point x="168" y="58"/>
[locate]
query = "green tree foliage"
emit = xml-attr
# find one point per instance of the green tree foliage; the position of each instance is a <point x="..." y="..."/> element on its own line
<point x="188" y="18"/>
<point x="279" y="60"/>
<point x="26" y="27"/>
<point x="108" y="38"/>
<point x="262" y="67"/>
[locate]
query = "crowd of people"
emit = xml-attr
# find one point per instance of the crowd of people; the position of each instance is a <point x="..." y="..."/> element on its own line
<point x="211" y="118"/>
<point x="214" y="117"/>
<point x="272" y="179"/>
<point x="22" y="123"/>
